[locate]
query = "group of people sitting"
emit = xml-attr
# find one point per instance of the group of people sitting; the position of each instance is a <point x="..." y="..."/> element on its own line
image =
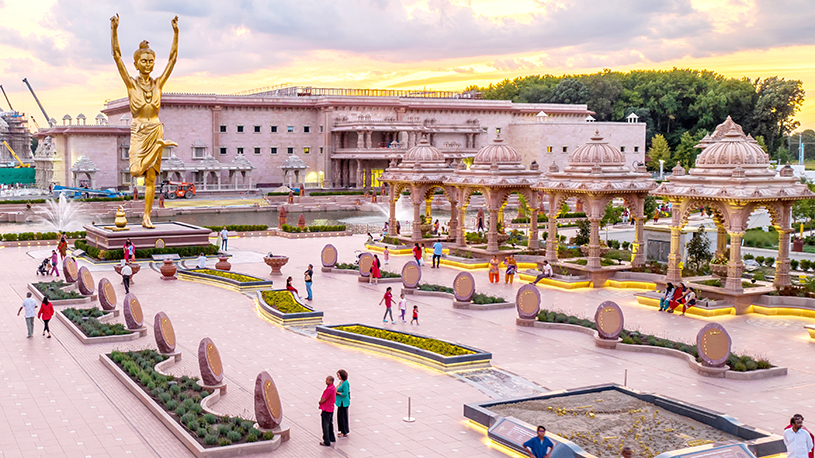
<point x="675" y="296"/>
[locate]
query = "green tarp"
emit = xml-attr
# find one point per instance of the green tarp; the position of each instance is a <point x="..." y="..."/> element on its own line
<point x="21" y="175"/>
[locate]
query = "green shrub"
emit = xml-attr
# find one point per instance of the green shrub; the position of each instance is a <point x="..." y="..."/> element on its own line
<point x="251" y="438"/>
<point x="180" y="411"/>
<point x="224" y="441"/>
<point x="211" y="439"/>
<point x="763" y="364"/>
<point x="748" y="256"/>
<point x="201" y="432"/>
<point x="210" y="418"/>
<point x="267" y="435"/>
<point x="239" y="228"/>
<point x="760" y="260"/>
<point x="172" y="404"/>
<point x="108" y="255"/>
<point x="739" y="367"/>
<point x="92" y="327"/>
<point x="175" y="389"/>
<point x="234" y="436"/>
<point x="224" y="429"/>
<point x="769" y="261"/>
<point x="806" y="264"/>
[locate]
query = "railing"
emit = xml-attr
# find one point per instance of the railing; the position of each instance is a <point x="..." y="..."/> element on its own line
<point x="308" y="91"/>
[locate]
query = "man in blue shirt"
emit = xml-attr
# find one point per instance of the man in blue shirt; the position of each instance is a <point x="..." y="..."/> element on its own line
<point x="437" y="251"/>
<point x="540" y="446"/>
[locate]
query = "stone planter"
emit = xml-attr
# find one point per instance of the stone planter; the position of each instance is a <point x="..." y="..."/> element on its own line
<point x="585" y="250"/>
<point x="719" y="270"/>
<point x="133" y="266"/>
<point x="168" y="270"/>
<point x="502" y="238"/>
<point x="223" y="263"/>
<point x="276" y="262"/>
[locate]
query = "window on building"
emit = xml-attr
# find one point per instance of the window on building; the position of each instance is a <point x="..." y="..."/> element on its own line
<point x="497" y="130"/>
<point x="636" y="149"/>
<point x="306" y="129"/>
<point x="485" y="129"/>
<point x="240" y="129"/>
<point x="289" y="150"/>
<point x="240" y="151"/>
<point x="198" y="152"/>
<point x="290" y="129"/>
<point x="166" y="152"/>
<point x="622" y="149"/>
<point x="274" y="129"/>
<point x="306" y="150"/>
<point x="257" y="151"/>
<point x="274" y="150"/>
<point x="223" y="129"/>
<point x="548" y="149"/>
<point x="257" y="129"/>
<point x="321" y="129"/>
<point x="321" y="150"/>
<point x="223" y="150"/>
<point x="125" y="152"/>
<point x="565" y="149"/>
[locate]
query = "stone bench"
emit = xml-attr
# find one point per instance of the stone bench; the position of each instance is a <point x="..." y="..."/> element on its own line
<point x="703" y="307"/>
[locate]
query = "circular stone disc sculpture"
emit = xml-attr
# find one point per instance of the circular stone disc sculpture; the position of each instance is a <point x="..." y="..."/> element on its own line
<point x="464" y="287"/>
<point x="85" y="281"/>
<point x="528" y="302"/>
<point x="69" y="269"/>
<point x="209" y="361"/>
<point x="268" y="409"/>
<point x="411" y="274"/>
<point x="609" y="319"/>
<point x="329" y="256"/>
<point x="366" y="261"/>
<point x="713" y="343"/>
<point x="107" y="295"/>
<point x="165" y="334"/>
<point x="134" y="316"/>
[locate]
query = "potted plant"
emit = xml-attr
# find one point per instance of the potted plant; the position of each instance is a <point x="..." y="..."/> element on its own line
<point x="718" y="266"/>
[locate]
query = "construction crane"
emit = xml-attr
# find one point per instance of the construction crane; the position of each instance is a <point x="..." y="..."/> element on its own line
<point x="35" y="123"/>
<point x="47" y="118"/>
<point x="11" y="108"/>
<point x="22" y="164"/>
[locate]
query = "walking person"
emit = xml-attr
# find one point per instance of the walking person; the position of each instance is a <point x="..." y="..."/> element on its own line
<point x="30" y="306"/>
<point x="46" y="313"/>
<point x="797" y="439"/>
<point x="417" y="254"/>
<point x="403" y="306"/>
<point x="386" y="254"/>
<point x="375" y="272"/>
<point x="327" y="401"/>
<point x="546" y="272"/>
<point x="343" y="402"/>
<point x="422" y="251"/>
<point x="62" y="248"/>
<point x="494" y="269"/>
<point x="308" y="274"/>
<point x="224" y="238"/>
<point x="415" y="315"/>
<point x="388" y="300"/>
<point x="512" y="267"/>
<point x="54" y="263"/>
<point x="127" y="272"/>
<point x="437" y="252"/>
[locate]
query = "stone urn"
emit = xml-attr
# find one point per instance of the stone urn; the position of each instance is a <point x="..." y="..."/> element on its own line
<point x="585" y="250"/>
<point x="168" y="270"/>
<point x="719" y="270"/>
<point x="276" y="262"/>
<point x="223" y="263"/>
<point x="133" y="266"/>
<point x="502" y="238"/>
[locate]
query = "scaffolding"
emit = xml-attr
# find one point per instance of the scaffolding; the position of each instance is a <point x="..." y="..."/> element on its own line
<point x="16" y="134"/>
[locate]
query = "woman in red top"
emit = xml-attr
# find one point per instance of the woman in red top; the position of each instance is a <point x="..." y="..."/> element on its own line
<point x="375" y="272"/>
<point x="417" y="253"/>
<point x="290" y="287"/>
<point x="46" y="313"/>
<point x="388" y="300"/>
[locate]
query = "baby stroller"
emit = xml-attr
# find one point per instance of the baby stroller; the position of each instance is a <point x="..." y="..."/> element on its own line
<point x="44" y="267"/>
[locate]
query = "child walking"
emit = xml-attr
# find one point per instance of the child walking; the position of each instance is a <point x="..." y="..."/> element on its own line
<point x="54" y="263"/>
<point x="403" y="306"/>
<point x="415" y="315"/>
<point x="386" y="254"/>
<point x="388" y="300"/>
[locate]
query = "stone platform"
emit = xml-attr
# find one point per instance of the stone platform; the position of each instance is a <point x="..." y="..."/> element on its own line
<point x="174" y="234"/>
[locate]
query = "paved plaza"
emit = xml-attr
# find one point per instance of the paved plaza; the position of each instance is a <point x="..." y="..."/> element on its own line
<point x="61" y="401"/>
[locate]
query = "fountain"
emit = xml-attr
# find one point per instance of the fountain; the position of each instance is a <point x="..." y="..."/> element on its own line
<point x="62" y="215"/>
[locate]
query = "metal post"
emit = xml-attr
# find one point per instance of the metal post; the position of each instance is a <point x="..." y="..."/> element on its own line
<point x="625" y="380"/>
<point x="409" y="419"/>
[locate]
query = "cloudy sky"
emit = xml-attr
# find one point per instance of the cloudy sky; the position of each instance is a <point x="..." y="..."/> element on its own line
<point x="63" y="46"/>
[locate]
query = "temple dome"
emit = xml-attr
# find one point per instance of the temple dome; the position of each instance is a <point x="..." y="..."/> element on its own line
<point x="423" y="152"/>
<point x="734" y="149"/>
<point x="597" y="151"/>
<point x="497" y="153"/>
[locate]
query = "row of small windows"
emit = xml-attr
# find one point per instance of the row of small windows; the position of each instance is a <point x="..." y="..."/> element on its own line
<point x="550" y="149"/>
<point x="258" y="151"/>
<point x="273" y="129"/>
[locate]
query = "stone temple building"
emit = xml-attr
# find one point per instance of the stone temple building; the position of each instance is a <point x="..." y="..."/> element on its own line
<point x="345" y="137"/>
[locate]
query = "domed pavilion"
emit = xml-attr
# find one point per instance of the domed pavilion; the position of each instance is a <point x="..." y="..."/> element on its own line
<point x="422" y="170"/>
<point x="497" y="172"/>
<point x="596" y="174"/>
<point x="732" y="177"/>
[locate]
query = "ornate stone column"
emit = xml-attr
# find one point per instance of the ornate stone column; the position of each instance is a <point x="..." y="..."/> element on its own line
<point x="461" y="235"/>
<point x="453" y="226"/>
<point x="428" y="206"/>
<point x="594" y="244"/>
<point x="533" y="230"/>
<point x="735" y="267"/>
<point x="551" y="231"/>
<point x="674" y="274"/>
<point x="637" y="248"/>
<point x="417" y="218"/>
<point x="360" y="139"/>
<point x="782" y="264"/>
<point x="492" y="234"/>
<point x="392" y="198"/>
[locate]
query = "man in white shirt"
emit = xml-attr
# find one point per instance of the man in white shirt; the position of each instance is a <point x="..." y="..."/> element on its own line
<point x="797" y="439"/>
<point x="202" y="261"/>
<point x="30" y="306"/>
<point x="224" y="238"/>
<point x="127" y="271"/>
<point x="546" y="272"/>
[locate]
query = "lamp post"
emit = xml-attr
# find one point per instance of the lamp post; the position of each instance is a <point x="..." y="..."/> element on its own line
<point x="661" y="164"/>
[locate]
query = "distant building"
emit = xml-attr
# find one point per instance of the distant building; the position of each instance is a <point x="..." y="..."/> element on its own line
<point x="346" y="137"/>
<point x="14" y="130"/>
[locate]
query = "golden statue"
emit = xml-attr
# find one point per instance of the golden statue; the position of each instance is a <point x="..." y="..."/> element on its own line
<point x="146" y="131"/>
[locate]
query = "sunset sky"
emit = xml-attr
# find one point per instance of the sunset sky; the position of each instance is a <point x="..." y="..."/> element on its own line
<point x="63" y="47"/>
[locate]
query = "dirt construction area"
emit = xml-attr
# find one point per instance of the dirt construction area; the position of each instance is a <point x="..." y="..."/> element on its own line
<point x="603" y="423"/>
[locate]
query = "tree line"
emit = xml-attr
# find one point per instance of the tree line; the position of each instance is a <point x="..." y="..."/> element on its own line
<point x="679" y="106"/>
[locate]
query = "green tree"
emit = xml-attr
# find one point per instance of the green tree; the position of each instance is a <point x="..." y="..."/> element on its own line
<point x="583" y="233"/>
<point x="698" y="249"/>
<point x="612" y="215"/>
<point x="570" y="90"/>
<point x="686" y="151"/>
<point x="659" y="150"/>
<point x="650" y="206"/>
<point x="778" y="101"/>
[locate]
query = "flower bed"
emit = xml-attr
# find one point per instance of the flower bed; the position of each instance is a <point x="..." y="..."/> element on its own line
<point x="735" y="362"/>
<point x="180" y="398"/>
<point x="282" y="307"/>
<point x="235" y="281"/>
<point x="478" y="298"/>
<point x="296" y="229"/>
<point x="23" y="236"/>
<point x="284" y="301"/>
<point x="432" y="352"/>
<point x="54" y="291"/>
<point x="110" y="255"/>
<point x="92" y="327"/>
<point x="346" y="266"/>
<point x="225" y="274"/>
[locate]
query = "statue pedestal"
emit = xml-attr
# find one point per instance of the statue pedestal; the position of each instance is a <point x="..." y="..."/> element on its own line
<point x="165" y="235"/>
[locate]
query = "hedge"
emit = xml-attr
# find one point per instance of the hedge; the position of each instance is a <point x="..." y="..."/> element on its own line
<point x="239" y="227"/>
<point x="545" y="218"/>
<point x="298" y="230"/>
<point x="24" y="236"/>
<point x="735" y="362"/>
<point x="112" y="255"/>
<point x="336" y="193"/>
<point x="424" y="343"/>
<point x="180" y="397"/>
<point x="478" y="298"/>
